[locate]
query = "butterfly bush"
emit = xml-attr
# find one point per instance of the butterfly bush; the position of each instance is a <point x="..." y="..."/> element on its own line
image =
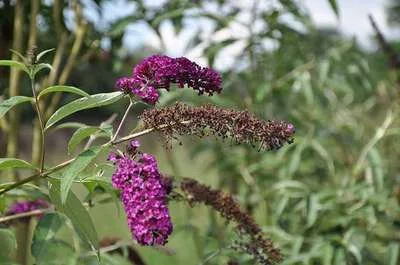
<point x="143" y="189"/>
<point x="143" y="195"/>
<point x="159" y="72"/>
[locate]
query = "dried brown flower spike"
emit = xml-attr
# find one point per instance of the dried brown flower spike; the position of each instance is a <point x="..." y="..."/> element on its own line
<point x="241" y="126"/>
<point x="257" y="245"/>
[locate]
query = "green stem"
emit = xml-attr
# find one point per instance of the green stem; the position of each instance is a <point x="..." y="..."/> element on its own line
<point x="41" y="124"/>
<point x="24" y="231"/>
<point x="131" y="103"/>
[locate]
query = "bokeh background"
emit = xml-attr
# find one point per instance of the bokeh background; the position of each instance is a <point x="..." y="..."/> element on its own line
<point x="331" y="197"/>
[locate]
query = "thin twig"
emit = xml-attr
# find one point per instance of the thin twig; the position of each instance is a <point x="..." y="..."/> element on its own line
<point x="41" y="124"/>
<point x="23" y="215"/>
<point x="387" y="49"/>
<point x="131" y="103"/>
<point x="106" y="249"/>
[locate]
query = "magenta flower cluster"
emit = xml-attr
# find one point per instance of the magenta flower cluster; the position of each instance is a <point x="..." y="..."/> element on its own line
<point x="159" y="72"/>
<point x="143" y="195"/>
<point x="27" y="206"/>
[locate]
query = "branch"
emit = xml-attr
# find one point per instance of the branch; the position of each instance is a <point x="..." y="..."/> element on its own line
<point x="23" y="215"/>
<point x="387" y="49"/>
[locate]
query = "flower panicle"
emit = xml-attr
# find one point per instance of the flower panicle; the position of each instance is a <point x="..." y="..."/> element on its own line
<point x="257" y="245"/>
<point x="241" y="126"/>
<point x="159" y="72"/>
<point x="143" y="194"/>
<point x="26" y="206"/>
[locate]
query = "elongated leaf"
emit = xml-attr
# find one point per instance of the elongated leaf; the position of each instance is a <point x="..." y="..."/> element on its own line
<point x="45" y="231"/>
<point x="17" y="53"/>
<point x="93" y="101"/>
<point x="57" y="252"/>
<point x="69" y="89"/>
<point x="375" y="160"/>
<point x="39" y="67"/>
<point x="6" y="105"/>
<point x="334" y="7"/>
<point x="78" y="215"/>
<point x="79" y="164"/>
<point x="72" y="125"/>
<point x="15" y="64"/>
<point x="41" y="54"/>
<point x="8" y="245"/>
<point x="81" y="134"/>
<point x="7" y="163"/>
<point x="312" y="210"/>
<point x="393" y="254"/>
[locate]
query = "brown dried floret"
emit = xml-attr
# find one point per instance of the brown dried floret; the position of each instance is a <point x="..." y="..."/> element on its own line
<point x="257" y="245"/>
<point x="241" y="126"/>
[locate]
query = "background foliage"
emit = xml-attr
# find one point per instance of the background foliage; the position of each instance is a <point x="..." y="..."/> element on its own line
<point x="332" y="197"/>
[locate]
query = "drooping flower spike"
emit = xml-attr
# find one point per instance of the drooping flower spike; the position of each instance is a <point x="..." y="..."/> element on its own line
<point x="160" y="71"/>
<point x="241" y="126"/>
<point x="143" y="195"/>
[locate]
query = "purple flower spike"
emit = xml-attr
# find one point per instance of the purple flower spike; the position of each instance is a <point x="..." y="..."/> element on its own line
<point x="143" y="195"/>
<point x="160" y="71"/>
<point x="27" y="206"/>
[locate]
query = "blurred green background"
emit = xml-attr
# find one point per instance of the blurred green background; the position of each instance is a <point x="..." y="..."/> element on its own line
<point x="331" y="197"/>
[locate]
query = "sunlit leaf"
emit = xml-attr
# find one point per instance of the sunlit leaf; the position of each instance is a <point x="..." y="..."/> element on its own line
<point x="93" y="101"/>
<point x="15" y="64"/>
<point x="41" y="54"/>
<point x="7" y="163"/>
<point x="69" y="89"/>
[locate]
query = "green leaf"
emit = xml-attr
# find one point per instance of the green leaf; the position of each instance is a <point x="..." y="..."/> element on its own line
<point x="167" y="15"/>
<point x="334" y="7"/>
<point x="77" y="213"/>
<point x="6" y="105"/>
<point x="93" y="101"/>
<point x="312" y="210"/>
<point x="38" y="67"/>
<point x="41" y="54"/>
<point x="77" y="166"/>
<point x="6" y="163"/>
<point x="8" y="245"/>
<point x="69" y="89"/>
<point x="72" y="125"/>
<point x="79" y="135"/>
<point x="375" y="160"/>
<point x="57" y="252"/>
<point x="17" y="53"/>
<point x="392" y="254"/>
<point x="15" y="64"/>
<point x="45" y="231"/>
<point x="119" y="27"/>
